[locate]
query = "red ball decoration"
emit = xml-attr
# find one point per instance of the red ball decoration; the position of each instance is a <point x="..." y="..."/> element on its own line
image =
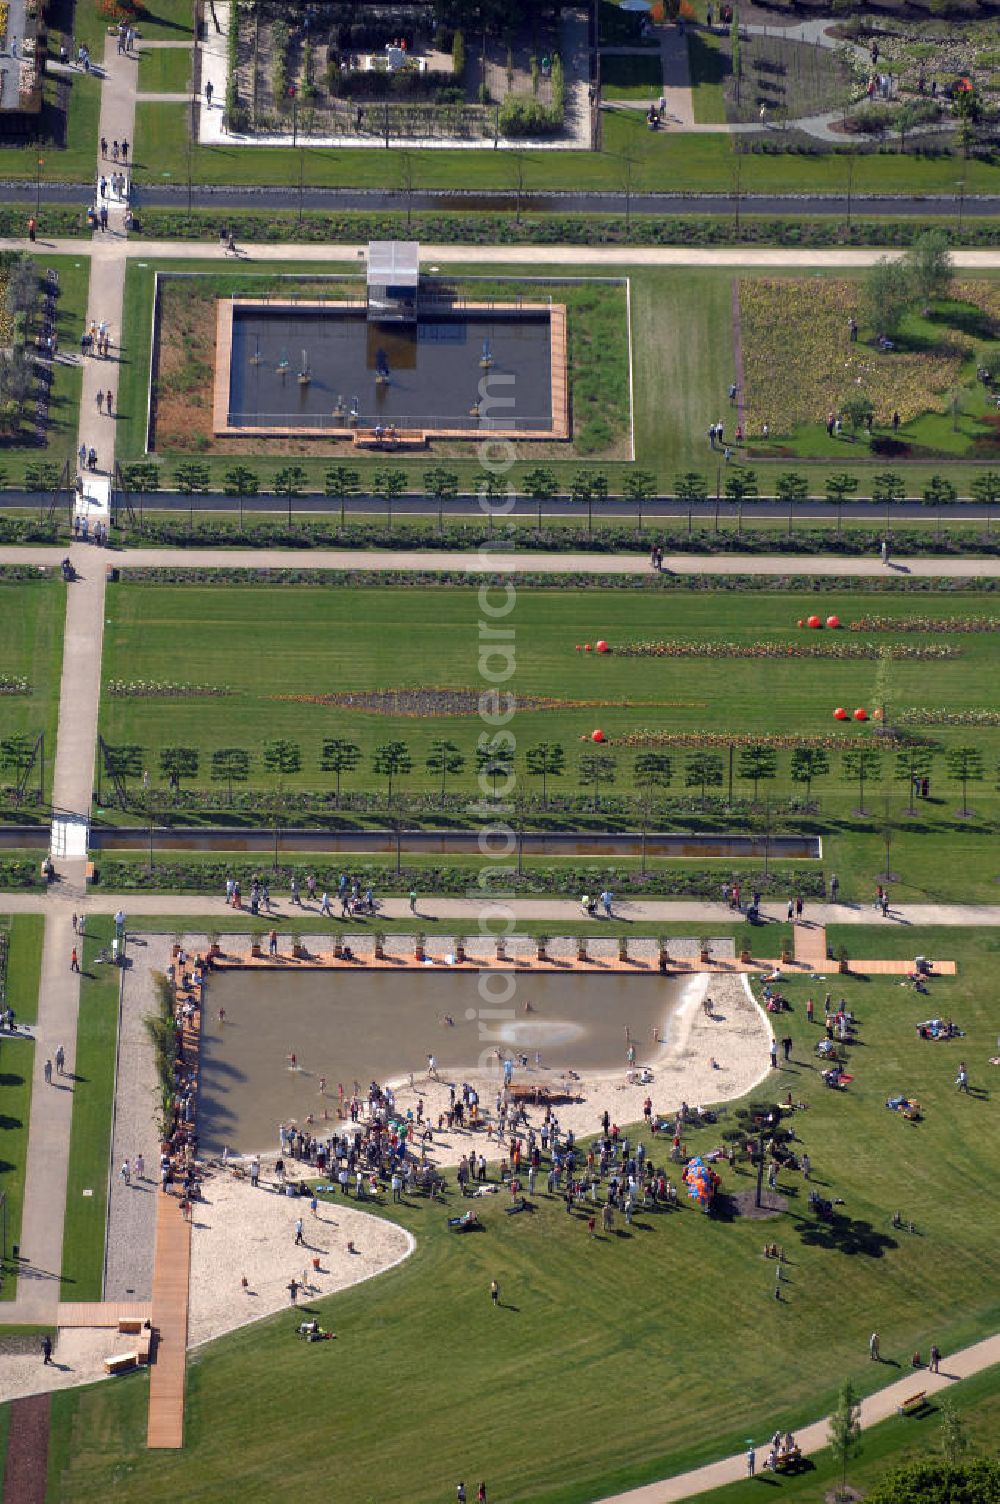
<point x="602" y="646"/>
<point x="861" y="714"/>
<point x="587" y="648"/>
<point x="814" y="621"/>
<point x="579" y="647"/>
<point x="801" y="621"/>
<point x="597" y="736"/>
<point x="840" y="714"/>
<point x="833" y="621"/>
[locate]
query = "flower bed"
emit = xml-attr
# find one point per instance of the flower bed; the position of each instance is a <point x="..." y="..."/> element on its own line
<point x="564" y="229"/>
<point x="419" y="703"/>
<point x="158" y="689"/>
<point x="14" y="684"/>
<point x="925" y="624"/>
<point x="936" y="715"/>
<point x="19" y="874"/>
<point x="420" y="579"/>
<point x="655" y="738"/>
<point x="210" y="877"/>
<point x="612" y="537"/>
<point x="777" y="650"/>
<point x="799" y="363"/>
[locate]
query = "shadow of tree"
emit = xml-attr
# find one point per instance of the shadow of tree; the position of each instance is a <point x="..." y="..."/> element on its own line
<point x="845" y="1235"/>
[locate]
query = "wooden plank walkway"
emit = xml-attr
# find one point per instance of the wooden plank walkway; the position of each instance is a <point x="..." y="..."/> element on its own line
<point x="900" y="968"/>
<point x="101" y="1313"/>
<point x="171" y="1276"/>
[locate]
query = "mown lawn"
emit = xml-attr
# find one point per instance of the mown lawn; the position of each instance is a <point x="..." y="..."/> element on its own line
<point x="630" y="77"/>
<point x="165" y="70"/>
<point x="682" y="356"/>
<point x="90" y="1143"/>
<point x="616" y="1317"/>
<point x="279" y="649"/>
<point x="24" y="957"/>
<point x="64" y="403"/>
<point x="31" y="647"/>
<point x="685" y="163"/>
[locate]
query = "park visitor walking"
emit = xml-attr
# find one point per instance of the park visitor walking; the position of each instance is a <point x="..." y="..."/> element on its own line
<point x="873" y="1348"/>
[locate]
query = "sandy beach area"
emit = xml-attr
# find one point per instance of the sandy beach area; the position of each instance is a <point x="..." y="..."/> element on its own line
<point x="241" y="1231"/>
<point x="736" y="1037"/>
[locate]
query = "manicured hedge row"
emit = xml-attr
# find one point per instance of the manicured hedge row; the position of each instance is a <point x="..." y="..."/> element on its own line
<point x="210" y="877"/>
<point x="54" y="219"/>
<point x="28" y="530"/>
<point x="16" y="873"/>
<point x="421" y="579"/>
<point x="608" y="538"/>
<point x="551" y="229"/>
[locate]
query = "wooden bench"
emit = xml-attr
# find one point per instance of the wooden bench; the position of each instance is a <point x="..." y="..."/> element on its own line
<point x="121" y="1362"/>
<point x="145" y="1344"/>
<point x="913" y="1402"/>
<point x="130" y="1325"/>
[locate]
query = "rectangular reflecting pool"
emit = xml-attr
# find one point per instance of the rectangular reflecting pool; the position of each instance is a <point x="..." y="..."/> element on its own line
<point x="324" y="368"/>
<point x="379" y="1025"/>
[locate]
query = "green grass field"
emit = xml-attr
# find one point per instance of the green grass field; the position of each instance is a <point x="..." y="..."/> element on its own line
<point x="753" y="1364"/>
<point x="631" y="77"/>
<point x="90" y="1144"/>
<point x="682" y="353"/>
<point x="165" y="70"/>
<point x="16" y="1065"/>
<point x="64" y="402"/>
<point x="422" y="641"/>
<point x="709" y="71"/>
<point x="894" y="1443"/>
<point x="687" y="163"/>
<point x="31" y="647"/>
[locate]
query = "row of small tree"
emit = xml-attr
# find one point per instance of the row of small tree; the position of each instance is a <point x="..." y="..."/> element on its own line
<point x="586" y="489"/>
<point x="495" y="763"/>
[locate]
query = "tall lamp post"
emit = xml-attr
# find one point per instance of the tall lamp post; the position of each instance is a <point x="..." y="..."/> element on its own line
<point x="38" y="184"/>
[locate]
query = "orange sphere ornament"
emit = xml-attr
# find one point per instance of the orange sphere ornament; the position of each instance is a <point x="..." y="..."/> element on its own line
<point x="597" y="736"/>
<point x="861" y="714"/>
<point x="833" y="621"/>
<point x="814" y="621"/>
<point x="840" y="714"/>
<point x="602" y="646"/>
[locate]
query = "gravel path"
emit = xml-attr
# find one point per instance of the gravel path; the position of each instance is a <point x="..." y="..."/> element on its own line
<point x="132" y="1209"/>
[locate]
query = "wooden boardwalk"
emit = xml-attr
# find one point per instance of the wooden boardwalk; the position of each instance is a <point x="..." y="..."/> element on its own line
<point x="171" y="1281"/>
<point x="811" y="953"/>
<point x="101" y="1313"/>
<point x="171" y="1276"/>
